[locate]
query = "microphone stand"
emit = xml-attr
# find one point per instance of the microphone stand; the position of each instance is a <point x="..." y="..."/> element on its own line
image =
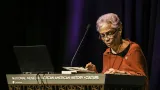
<point x="80" y="44"/>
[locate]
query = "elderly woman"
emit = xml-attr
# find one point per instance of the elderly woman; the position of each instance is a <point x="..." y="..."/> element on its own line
<point x="122" y="55"/>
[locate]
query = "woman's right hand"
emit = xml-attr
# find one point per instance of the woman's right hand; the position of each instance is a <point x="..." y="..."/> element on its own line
<point x="91" y="67"/>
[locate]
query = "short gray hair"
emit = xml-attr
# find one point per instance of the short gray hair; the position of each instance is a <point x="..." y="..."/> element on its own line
<point x="109" y="18"/>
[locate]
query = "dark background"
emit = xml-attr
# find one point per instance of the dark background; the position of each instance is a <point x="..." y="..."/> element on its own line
<point x="60" y="25"/>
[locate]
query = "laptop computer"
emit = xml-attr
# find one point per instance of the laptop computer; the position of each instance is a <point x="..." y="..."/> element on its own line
<point x="33" y="59"/>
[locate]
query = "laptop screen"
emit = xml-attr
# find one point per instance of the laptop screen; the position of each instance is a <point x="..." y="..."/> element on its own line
<point x="33" y="58"/>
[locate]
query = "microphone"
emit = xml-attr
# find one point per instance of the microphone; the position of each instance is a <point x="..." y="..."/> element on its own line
<point x="80" y="44"/>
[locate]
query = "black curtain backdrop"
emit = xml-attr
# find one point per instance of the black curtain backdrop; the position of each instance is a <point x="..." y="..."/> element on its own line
<point x="141" y="21"/>
<point x="31" y="22"/>
<point x="46" y="22"/>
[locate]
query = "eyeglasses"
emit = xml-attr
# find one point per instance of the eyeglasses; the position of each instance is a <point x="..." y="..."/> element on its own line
<point x="109" y="34"/>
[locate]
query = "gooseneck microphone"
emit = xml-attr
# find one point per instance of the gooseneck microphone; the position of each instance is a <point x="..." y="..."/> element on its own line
<point x="88" y="26"/>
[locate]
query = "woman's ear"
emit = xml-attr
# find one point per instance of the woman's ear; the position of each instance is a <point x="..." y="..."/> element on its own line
<point x="120" y="30"/>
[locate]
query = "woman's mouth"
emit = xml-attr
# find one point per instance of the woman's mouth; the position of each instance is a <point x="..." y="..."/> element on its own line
<point x="108" y="44"/>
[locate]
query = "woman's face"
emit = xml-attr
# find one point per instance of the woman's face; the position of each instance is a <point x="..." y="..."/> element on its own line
<point x="109" y="36"/>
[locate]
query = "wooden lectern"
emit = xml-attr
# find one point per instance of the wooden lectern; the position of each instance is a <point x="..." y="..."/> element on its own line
<point x="74" y="82"/>
<point x="124" y="82"/>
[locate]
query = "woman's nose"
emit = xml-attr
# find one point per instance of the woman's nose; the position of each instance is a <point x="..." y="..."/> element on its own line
<point x="106" y="39"/>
